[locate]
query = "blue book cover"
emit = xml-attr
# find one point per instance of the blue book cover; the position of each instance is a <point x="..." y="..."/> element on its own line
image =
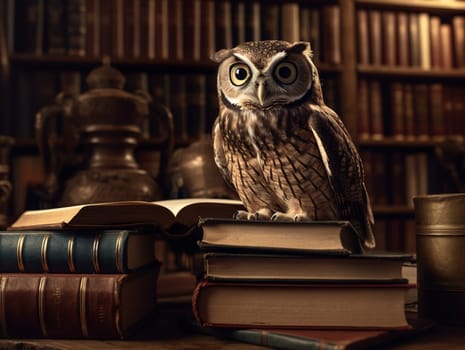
<point x="84" y="251"/>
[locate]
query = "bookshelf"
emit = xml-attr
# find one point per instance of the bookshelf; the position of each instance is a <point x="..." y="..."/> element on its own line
<point x="418" y="89"/>
<point x="152" y="46"/>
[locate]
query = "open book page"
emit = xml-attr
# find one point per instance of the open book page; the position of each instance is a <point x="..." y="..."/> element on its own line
<point x="188" y="210"/>
<point x="161" y="213"/>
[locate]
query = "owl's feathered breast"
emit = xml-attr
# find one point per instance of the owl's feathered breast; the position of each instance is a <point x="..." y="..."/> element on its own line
<point x="280" y="140"/>
<point x="259" y="132"/>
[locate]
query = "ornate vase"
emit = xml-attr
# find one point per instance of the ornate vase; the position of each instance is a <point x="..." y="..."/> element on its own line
<point x="90" y="158"/>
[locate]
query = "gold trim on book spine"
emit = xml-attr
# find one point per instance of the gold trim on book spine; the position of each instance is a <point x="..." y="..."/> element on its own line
<point x="41" y="305"/>
<point x="95" y="247"/>
<point x="82" y="306"/>
<point x="116" y="296"/>
<point x="43" y="252"/>
<point x="71" y="266"/>
<point x="19" y="252"/>
<point x="3" y="281"/>
<point x="119" y="248"/>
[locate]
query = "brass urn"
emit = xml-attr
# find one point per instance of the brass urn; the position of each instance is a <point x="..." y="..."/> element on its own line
<point x="90" y="159"/>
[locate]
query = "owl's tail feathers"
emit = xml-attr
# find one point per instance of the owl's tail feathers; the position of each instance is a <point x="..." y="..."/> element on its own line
<point x="368" y="222"/>
<point x="369" y="237"/>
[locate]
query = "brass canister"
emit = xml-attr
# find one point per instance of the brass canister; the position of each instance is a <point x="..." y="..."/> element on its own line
<point x="440" y="236"/>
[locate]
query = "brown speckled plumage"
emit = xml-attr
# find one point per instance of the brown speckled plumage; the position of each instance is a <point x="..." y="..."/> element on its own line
<point x="286" y="153"/>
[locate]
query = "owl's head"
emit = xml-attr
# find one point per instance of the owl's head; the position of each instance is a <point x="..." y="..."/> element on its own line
<point x="265" y="74"/>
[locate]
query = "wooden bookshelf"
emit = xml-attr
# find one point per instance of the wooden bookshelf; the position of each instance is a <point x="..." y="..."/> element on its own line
<point x="416" y="92"/>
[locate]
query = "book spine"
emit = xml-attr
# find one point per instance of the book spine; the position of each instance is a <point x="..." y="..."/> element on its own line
<point x="436" y="107"/>
<point x="363" y="110"/>
<point x="269" y="22"/>
<point x="332" y="37"/>
<point x="374" y="27"/>
<point x="435" y="39"/>
<point x="363" y="47"/>
<point x="424" y="40"/>
<point x="77" y="27"/>
<point x="458" y="31"/>
<point x="195" y="298"/>
<point x="446" y="48"/>
<point x="196" y="105"/>
<point x="402" y="39"/>
<point x="58" y="252"/>
<point x="29" y="26"/>
<point x="208" y="32"/>
<point x="398" y="110"/>
<point x="315" y="33"/>
<point x="119" y="18"/>
<point x="388" y="20"/>
<point x="107" y="28"/>
<point x="60" y="306"/>
<point x="252" y="20"/>
<point x="290" y="24"/>
<point x="55" y="29"/>
<point x="93" y="28"/>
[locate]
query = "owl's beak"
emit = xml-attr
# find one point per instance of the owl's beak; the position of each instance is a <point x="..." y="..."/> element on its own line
<point x="262" y="94"/>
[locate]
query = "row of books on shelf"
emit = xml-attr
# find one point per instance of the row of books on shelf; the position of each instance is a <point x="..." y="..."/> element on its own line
<point x="410" y="39"/>
<point x="394" y="178"/>
<point x="310" y="284"/>
<point x="410" y="111"/>
<point x="191" y="97"/>
<point x="162" y="29"/>
<point x="395" y="234"/>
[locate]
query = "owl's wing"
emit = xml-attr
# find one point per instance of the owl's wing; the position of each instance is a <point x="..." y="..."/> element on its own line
<point x="345" y="170"/>
<point x="218" y="149"/>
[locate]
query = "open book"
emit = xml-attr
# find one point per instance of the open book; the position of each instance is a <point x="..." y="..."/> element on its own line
<point x="165" y="213"/>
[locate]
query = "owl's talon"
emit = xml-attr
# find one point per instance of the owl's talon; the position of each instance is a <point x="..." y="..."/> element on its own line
<point x="301" y="218"/>
<point x="278" y="216"/>
<point x="245" y="215"/>
<point x="241" y="215"/>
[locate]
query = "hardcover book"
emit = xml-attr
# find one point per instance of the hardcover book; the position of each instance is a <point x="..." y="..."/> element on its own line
<point x="89" y="251"/>
<point x="300" y="305"/>
<point x="335" y="237"/>
<point x="390" y="46"/>
<point x="165" y="213"/>
<point x="321" y="339"/>
<point x="363" y="42"/>
<point x="402" y="39"/>
<point x="104" y="306"/>
<point x="370" y="267"/>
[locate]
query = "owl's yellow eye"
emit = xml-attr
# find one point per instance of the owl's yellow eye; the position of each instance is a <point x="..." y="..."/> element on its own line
<point x="239" y="74"/>
<point x="286" y="72"/>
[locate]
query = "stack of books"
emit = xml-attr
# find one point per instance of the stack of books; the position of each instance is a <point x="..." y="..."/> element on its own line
<point x="88" y="271"/>
<point x="95" y="283"/>
<point x="271" y="279"/>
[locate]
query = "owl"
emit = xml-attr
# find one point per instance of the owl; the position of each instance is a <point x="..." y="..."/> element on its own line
<point x="288" y="155"/>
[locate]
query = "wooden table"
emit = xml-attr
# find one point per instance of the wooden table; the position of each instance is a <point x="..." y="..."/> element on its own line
<point x="166" y="332"/>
